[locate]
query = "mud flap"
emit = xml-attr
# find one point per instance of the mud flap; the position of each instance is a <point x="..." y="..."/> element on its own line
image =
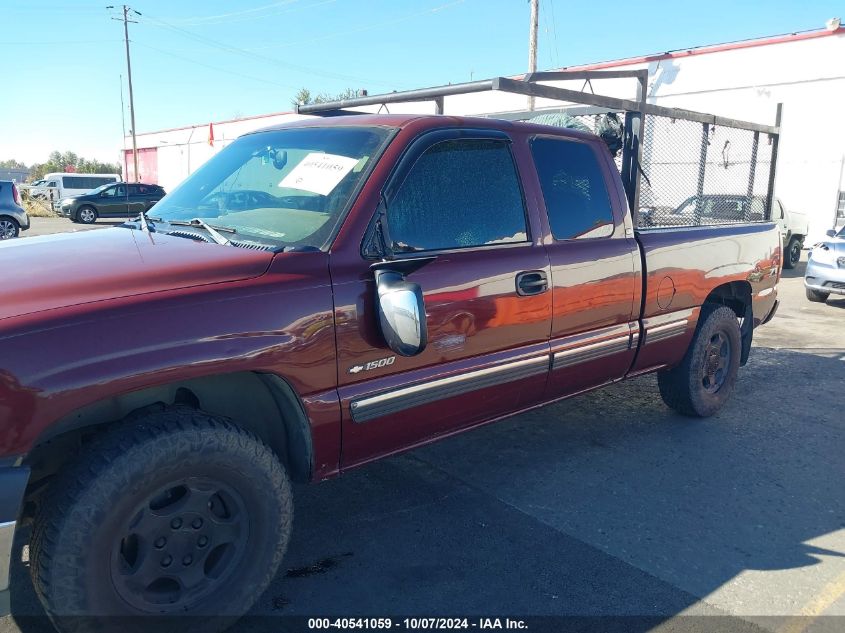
<point x="746" y="333"/>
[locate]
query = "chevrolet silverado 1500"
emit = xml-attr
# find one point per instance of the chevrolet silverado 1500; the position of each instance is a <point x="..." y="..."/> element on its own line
<point x="397" y="279"/>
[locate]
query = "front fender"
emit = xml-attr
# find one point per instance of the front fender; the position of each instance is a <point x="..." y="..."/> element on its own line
<point x="62" y="361"/>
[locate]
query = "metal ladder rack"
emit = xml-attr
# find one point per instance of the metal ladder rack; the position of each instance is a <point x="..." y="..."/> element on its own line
<point x="635" y="113"/>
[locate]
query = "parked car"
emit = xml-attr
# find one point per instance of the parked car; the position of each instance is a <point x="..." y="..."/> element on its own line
<point x="794" y="227"/>
<point x="65" y="185"/>
<point x="13" y="217"/>
<point x="425" y="275"/>
<point x="30" y="187"/>
<point x="724" y="208"/>
<point x="120" y="200"/>
<point x="825" y="274"/>
<point x="705" y="209"/>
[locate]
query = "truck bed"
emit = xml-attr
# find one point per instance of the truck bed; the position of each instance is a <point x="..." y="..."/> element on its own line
<point x="682" y="268"/>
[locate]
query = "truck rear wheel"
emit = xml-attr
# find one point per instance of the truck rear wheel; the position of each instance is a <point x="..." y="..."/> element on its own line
<point x="792" y="253"/>
<point x="175" y="512"/>
<point x="705" y="379"/>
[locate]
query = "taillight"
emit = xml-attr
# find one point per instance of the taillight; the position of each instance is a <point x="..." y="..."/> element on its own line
<point x="16" y="194"/>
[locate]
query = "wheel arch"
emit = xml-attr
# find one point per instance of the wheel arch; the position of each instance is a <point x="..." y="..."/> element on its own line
<point x="736" y="295"/>
<point x="263" y="403"/>
<point x="3" y="216"/>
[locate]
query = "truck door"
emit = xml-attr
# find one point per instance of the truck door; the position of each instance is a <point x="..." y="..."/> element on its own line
<point x="455" y="197"/>
<point x="596" y="278"/>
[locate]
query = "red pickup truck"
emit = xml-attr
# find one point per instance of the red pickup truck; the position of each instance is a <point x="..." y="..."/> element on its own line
<point x="317" y="296"/>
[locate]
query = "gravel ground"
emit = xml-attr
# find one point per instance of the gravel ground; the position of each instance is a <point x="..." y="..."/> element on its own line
<point x="607" y="504"/>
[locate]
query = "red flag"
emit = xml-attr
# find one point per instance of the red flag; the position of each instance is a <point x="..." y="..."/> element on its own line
<point x="211" y="134"/>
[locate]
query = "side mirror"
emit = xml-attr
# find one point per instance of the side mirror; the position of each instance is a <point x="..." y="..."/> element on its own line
<point x="401" y="311"/>
<point x="830" y="233"/>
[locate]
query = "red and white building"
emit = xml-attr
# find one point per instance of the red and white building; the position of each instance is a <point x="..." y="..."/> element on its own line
<point x="743" y="80"/>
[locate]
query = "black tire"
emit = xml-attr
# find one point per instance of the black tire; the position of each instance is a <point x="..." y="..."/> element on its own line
<point x="815" y="296"/>
<point x="9" y="228"/>
<point x="704" y="380"/>
<point x="172" y="479"/>
<point x="792" y="254"/>
<point x="86" y="215"/>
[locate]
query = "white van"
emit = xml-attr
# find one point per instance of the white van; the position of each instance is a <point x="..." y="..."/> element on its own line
<point x="63" y="185"/>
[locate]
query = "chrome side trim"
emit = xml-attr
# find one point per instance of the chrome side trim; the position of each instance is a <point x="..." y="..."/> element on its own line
<point x="372" y="407"/>
<point x="592" y="351"/>
<point x="7" y="536"/>
<point x="667" y="330"/>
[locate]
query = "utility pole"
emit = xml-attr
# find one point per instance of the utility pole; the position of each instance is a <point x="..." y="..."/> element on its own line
<point x="126" y="21"/>
<point x="532" y="44"/>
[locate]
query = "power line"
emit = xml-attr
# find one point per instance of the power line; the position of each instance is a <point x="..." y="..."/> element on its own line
<point x="532" y="43"/>
<point x="212" y="20"/>
<point x="215" y="68"/>
<point x="545" y="21"/>
<point x="153" y="21"/>
<point x="236" y="13"/>
<point x="32" y="42"/>
<point x="554" y="33"/>
<point x="368" y="27"/>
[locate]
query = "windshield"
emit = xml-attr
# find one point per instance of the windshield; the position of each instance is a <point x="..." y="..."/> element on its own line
<point x="282" y="188"/>
<point x="99" y="189"/>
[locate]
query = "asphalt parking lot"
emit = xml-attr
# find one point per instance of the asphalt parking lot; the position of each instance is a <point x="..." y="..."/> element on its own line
<point x="607" y="504"/>
<point x="48" y="226"/>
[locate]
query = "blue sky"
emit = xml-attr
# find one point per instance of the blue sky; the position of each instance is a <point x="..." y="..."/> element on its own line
<point x="198" y="61"/>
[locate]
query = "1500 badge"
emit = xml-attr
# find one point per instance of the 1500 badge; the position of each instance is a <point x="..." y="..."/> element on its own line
<point x="373" y="364"/>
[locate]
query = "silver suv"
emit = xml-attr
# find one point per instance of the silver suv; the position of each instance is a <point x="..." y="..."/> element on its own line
<point x="13" y="219"/>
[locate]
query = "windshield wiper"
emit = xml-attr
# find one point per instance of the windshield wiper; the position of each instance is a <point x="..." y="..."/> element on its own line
<point x="142" y="220"/>
<point x="144" y="223"/>
<point x="211" y="230"/>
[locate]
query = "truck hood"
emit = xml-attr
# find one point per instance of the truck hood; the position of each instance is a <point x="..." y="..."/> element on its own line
<point x="56" y="271"/>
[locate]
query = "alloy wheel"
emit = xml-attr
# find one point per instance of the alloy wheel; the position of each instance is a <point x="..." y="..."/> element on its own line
<point x="8" y="229"/>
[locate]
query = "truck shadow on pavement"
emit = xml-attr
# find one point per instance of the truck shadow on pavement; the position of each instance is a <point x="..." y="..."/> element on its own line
<point x="607" y="504"/>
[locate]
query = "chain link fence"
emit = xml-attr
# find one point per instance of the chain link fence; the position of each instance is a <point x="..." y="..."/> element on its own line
<point x="694" y="173"/>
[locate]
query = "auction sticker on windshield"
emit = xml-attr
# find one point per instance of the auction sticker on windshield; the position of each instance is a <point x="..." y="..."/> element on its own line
<point x="319" y="173"/>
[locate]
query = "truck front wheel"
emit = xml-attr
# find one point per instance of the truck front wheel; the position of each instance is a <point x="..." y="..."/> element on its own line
<point x="175" y="512"/>
<point x="705" y="379"/>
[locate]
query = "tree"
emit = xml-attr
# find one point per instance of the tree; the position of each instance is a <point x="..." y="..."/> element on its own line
<point x="70" y="161"/>
<point x="304" y="97"/>
<point x="11" y="163"/>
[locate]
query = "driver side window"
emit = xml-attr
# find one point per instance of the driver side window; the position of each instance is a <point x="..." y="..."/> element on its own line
<point x="459" y="194"/>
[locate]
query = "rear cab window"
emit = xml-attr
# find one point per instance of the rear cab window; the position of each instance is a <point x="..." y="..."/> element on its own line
<point x="461" y="193"/>
<point x="574" y="188"/>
